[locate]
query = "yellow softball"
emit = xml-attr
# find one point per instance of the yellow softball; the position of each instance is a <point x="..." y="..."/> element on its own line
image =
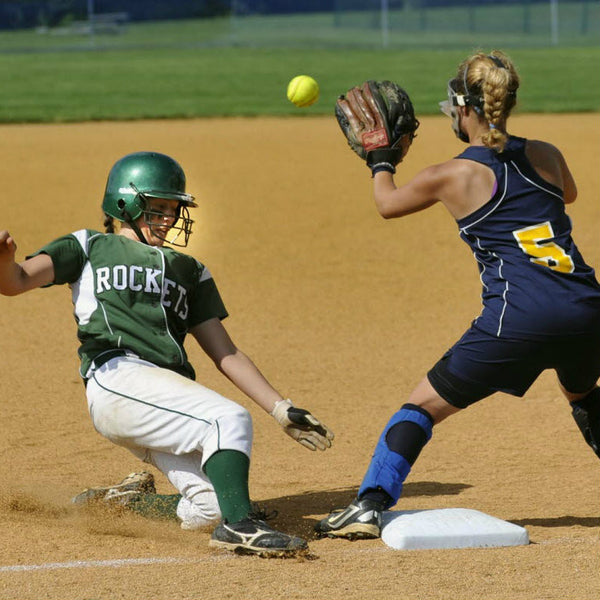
<point x="303" y="90"/>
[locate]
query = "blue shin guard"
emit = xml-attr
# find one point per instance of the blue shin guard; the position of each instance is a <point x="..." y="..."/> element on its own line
<point x="398" y="447"/>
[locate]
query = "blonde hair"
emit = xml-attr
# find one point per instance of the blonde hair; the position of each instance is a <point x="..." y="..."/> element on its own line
<point x="493" y="81"/>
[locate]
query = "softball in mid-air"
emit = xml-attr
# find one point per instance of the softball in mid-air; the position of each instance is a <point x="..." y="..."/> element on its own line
<point x="303" y="91"/>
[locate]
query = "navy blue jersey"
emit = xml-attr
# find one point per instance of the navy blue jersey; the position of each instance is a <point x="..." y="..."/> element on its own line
<point x="536" y="284"/>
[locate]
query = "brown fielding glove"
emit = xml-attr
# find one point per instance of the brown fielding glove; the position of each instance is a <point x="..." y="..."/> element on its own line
<point x="379" y="123"/>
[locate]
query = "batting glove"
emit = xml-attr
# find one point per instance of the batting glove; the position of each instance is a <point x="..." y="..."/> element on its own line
<point x="300" y="425"/>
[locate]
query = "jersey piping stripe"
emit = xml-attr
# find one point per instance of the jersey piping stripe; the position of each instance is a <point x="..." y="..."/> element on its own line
<point x="170" y="410"/>
<point x="483" y="267"/>
<point x="106" y="319"/>
<point x="463" y="229"/>
<point x="162" y="293"/>
<point x="500" y="276"/>
<point x="504" y="294"/>
<point x="537" y="185"/>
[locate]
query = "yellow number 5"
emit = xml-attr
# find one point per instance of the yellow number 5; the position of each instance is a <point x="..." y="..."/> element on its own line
<point x="534" y="242"/>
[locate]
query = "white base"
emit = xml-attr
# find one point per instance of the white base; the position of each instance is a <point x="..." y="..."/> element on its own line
<point x="448" y="528"/>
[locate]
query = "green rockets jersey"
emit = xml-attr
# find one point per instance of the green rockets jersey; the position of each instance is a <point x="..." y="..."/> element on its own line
<point x="131" y="296"/>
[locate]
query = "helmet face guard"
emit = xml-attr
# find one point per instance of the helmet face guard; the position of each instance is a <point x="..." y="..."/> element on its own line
<point x="141" y="176"/>
<point x="468" y="98"/>
<point x="448" y="107"/>
<point x="181" y="225"/>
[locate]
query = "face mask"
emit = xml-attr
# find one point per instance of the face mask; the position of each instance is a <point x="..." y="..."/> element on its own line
<point x="448" y="108"/>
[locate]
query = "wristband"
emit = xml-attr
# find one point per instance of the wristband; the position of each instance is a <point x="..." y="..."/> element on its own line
<point x="279" y="412"/>
<point x="383" y="166"/>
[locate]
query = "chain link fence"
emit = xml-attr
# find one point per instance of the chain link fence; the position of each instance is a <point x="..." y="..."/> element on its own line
<point x="80" y="24"/>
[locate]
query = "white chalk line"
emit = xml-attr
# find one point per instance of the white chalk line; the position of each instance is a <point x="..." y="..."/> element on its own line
<point x="113" y="563"/>
<point x="132" y="562"/>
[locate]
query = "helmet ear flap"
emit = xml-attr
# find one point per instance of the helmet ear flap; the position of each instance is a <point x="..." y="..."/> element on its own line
<point x="130" y="210"/>
<point x="124" y="215"/>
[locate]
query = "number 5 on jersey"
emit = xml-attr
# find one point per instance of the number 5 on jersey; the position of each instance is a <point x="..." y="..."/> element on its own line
<point x="533" y="240"/>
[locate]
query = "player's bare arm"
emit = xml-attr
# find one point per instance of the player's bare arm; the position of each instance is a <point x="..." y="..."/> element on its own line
<point x="298" y="423"/>
<point x="461" y="185"/>
<point x="17" y="278"/>
<point x="452" y="183"/>
<point x="392" y="201"/>
<point x="234" y="364"/>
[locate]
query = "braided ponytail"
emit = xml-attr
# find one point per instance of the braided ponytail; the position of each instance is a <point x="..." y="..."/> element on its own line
<point x="493" y="78"/>
<point x="494" y="100"/>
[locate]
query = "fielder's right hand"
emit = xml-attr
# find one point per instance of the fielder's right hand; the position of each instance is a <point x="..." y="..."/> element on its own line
<point x="303" y="427"/>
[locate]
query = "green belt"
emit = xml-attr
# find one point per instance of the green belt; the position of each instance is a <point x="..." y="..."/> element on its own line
<point x="104" y="357"/>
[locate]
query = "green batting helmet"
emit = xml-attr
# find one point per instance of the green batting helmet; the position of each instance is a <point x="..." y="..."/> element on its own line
<point x="142" y="175"/>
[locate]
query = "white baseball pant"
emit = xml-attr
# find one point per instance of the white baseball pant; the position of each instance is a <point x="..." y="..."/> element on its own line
<point x="172" y="422"/>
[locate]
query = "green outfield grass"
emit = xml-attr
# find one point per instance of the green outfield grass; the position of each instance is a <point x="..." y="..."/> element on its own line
<point x="169" y="82"/>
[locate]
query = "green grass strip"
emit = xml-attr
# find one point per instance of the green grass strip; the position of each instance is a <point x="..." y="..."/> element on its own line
<point x="207" y="82"/>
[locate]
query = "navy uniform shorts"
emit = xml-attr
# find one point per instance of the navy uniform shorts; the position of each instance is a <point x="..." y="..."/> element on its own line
<point x="480" y="364"/>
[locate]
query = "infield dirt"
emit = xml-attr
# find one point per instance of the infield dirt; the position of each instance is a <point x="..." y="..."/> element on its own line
<point x="344" y="312"/>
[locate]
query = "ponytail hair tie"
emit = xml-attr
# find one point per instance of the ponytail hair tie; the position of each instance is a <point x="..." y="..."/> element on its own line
<point x="492" y="126"/>
<point x="497" y="61"/>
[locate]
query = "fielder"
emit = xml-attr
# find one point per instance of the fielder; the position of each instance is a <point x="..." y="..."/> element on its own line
<point x="135" y="300"/>
<point x="541" y="300"/>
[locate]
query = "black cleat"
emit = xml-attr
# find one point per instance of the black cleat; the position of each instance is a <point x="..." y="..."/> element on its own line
<point x="360" y="520"/>
<point x="253" y="536"/>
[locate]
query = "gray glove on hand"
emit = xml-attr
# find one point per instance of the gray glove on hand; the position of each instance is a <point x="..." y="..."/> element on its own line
<point x="300" y="425"/>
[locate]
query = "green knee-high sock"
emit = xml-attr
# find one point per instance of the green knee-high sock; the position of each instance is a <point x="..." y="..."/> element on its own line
<point x="228" y="472"/>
